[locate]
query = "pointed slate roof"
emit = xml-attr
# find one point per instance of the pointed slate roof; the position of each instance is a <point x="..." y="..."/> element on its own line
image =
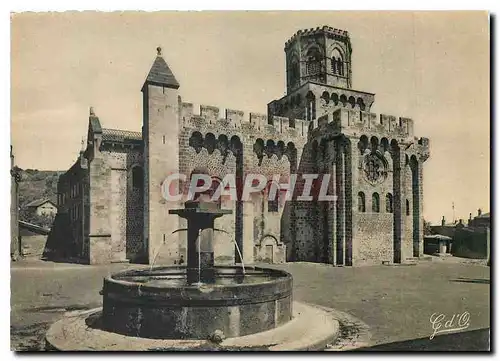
<point x="39" y="202"/>
<point x="160" y="73"/>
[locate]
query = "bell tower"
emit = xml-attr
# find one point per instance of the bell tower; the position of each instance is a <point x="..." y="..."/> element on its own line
<point x="321" y="55"/>
<point x="318" y="76"/>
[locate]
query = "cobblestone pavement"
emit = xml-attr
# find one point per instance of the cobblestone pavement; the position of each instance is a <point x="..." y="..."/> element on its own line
<point x="395" y="302"/>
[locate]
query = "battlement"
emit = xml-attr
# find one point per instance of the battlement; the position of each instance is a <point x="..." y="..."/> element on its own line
<point x="348" y="120"/>
<point x="319" y="30"/>
<point x="209" y="116"/>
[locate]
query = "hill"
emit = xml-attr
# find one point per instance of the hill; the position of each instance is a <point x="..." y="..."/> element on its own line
<point x="36" y="184"/>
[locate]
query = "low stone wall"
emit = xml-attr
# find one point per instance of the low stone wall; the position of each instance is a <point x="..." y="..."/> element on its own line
<point x="33" y="246"/>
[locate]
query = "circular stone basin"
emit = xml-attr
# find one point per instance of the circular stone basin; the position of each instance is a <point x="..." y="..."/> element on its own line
<point x="161" y="304"/>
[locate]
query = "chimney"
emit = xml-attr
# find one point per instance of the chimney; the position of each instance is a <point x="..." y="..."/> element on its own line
<point x="443" y="221"/>
<point x="479" y="212"/>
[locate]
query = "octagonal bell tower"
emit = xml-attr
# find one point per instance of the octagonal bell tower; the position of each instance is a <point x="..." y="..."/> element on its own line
<point x="321" y="55"/>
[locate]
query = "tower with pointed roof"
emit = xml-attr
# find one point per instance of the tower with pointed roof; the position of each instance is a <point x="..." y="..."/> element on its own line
<point x="161" y="156"/>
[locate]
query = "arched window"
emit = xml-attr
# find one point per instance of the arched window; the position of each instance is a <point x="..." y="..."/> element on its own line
<point x="375" y="203"/>
<point x="340" y="67"/>
<point x="388" y="203"/>
<point x="295" y="70"/>
<point x="313" y="65"/>
<point x="311" y="106"/>
<point x="407" y="207"/>
<point x="210" y="143"/>
<point x="361" y="202"/>
<point x="137" y="177"/>
<point x="337" y="62"/>
<point x="196" y="141"/>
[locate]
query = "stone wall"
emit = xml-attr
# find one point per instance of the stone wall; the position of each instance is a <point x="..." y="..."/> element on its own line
<point x="71" y="190"/>
<point x="113" y="207"/>
<point x="373" y="231"/>
<point x="32" y="245"/>
<point x="240" y="146"/>
<point x="135" y="209"/>
<point x="407" y="244"/>
<point x="99" y="238"/>
<point x="373" y="238"/>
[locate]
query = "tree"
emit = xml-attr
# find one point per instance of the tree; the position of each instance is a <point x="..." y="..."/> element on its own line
<point x="29" y="216"/>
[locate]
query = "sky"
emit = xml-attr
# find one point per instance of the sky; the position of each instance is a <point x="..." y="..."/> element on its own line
<point x="432" y="67"/>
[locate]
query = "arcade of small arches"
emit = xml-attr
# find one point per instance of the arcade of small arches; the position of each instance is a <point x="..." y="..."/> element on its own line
<point x="341" y="100"/>
<point x="222" y="143"/>
<point x="389" y="203"/>
<point x="269" y="148"/>
<point x="374" y="145"/>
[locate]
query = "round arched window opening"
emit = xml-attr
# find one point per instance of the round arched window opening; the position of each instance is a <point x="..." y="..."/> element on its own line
<point x="375" y="203"/>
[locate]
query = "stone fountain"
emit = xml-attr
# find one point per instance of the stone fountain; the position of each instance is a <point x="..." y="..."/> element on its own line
<point x="182" y="306"/>
<point x="195" y="301"/>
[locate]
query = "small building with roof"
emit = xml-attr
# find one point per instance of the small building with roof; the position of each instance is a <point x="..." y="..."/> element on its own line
<point x="42" y="207"/>
<point x="481" y="221"/>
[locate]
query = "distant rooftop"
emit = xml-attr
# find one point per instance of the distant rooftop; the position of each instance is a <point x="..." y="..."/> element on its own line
<point x="485" y="215"/>
<point x="39" y="202"/>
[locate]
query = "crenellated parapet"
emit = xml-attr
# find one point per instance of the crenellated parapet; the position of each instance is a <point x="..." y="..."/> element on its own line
<point x="356" y="123"/>
<point x="209" y="118"/>
<point x="333" y="32"/>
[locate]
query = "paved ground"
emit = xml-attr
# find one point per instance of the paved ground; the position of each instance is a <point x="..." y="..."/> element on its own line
<point x="395" y="301"/>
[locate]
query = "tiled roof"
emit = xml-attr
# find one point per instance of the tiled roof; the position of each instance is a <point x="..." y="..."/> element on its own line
<point x="438" y="236"/>
<point x="161" y="74"/>
<point x="119" y="135"/>
<point x="39" y="202"/>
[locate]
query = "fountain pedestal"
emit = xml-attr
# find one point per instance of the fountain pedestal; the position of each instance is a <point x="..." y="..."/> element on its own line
<point x="200" y="216"/>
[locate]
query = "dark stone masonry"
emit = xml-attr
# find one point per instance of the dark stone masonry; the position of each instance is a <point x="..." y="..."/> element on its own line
<point x="111" y="207"/>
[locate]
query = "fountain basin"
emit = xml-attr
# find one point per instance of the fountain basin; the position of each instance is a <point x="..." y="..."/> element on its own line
<point x="160" y="303"/>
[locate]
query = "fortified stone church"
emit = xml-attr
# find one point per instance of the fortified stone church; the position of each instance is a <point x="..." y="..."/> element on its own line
<point x="111" y="207"/>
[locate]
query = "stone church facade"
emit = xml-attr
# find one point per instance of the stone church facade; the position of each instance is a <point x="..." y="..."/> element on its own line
<point x="111" y="206"/>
